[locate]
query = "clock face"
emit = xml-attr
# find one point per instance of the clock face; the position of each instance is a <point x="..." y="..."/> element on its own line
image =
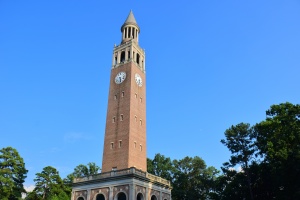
<point x="138" y="80"/>
<point x="120" y="77"/>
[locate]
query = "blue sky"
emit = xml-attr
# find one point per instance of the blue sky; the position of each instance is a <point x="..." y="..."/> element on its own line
<point x="210" y="65"/>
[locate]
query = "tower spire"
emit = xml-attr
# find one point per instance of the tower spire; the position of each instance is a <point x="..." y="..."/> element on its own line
<point x="130" y="20"/>
<point x="130" y="29"/>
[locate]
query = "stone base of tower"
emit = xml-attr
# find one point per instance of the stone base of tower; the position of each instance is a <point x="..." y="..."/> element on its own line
<point x="126" y="184"/>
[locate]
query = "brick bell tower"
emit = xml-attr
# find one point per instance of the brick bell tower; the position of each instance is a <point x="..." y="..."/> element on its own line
<point x="124" y="173"/>
<point x="125" y="133"/>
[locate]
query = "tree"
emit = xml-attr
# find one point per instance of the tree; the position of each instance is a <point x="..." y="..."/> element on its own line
<point x="80" y="171"/>
<point x="86" y="170"/>
<point x="12" y="174"/>
<point x="239" y="141"/>
<point x="49" y="185"/>
<point x="192" y="179"/>
<point x="161" y="166"/>
<point x="278" y="141"/>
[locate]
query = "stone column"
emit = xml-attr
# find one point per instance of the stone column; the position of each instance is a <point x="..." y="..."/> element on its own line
<point x="126" y="54"/>
<point x="147" y="193"/>
<point x="160" y="195"/>
<point x="113" y="59"/>
<point x="131" y="52"/>
<point x="72" y="195"/>
<point x="131" y="192"/>
<point x="88" y="196"/>
<point x="118" y="57"/>
<point x="111" y="193"/>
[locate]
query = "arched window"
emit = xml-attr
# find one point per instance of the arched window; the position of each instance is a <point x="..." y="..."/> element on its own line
<point x="140" y="196"/>
<point x="123" y="56"/>
<point x="129" y="32"/>
<point x="153" y="197"/>
<point x="133" y="31"/>
<point x="121" y="196"/>
<point x="138" y="58"/>
<point x="80" y="198"/>
<point x="100" y="197"/>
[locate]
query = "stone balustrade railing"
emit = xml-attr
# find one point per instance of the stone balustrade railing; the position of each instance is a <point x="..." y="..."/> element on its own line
<point x="121" y="172"/>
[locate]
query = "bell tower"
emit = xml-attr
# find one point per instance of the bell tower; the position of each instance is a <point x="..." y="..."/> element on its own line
<point x="125" y="132"/>
<point x="124" y="173"/>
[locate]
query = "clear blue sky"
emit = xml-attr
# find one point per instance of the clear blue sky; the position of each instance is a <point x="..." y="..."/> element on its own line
<point x="210" y="65"/>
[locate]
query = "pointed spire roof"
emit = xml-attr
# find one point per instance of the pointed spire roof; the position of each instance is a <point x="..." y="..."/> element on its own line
<point x="130" y="21"/>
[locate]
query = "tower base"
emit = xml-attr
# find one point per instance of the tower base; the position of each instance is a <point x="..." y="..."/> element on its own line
<point x="126" y="184"/>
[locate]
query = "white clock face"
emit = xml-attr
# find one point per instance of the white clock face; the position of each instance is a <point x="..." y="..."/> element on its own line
<point x="120" y="77"/>
<point x="138" y="80"/>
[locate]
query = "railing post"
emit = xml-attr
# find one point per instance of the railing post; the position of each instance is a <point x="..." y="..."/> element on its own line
<point x="132" y="170"/>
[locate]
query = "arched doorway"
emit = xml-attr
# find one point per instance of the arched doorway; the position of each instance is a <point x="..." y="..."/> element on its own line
<point x="121" y="196"/>
<point x="80" y="198"/>
<point x="153" y="197"/>
<point x="100" y="197"/>
<point x="140" y="196"/>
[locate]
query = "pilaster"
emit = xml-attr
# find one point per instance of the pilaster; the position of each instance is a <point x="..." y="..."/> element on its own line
<point x="111" y="193"/>
<point x="88" y="197"/>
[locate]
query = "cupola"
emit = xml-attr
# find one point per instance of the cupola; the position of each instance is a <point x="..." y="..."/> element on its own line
<point x="130" y="30"/>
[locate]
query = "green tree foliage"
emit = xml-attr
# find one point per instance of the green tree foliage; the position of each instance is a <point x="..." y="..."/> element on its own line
<point x="161" y="166"/>
<point x="278" y="141"/>
<point x="80" y="171"/>
<point x="190" y="177"/>
<point x="48" y="186"/>
<point x="12" y="174"/>
<point x="86" y="170"/>
<point x="239" y="141"/>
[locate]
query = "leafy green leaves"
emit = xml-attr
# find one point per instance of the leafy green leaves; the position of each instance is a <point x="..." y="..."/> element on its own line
<point x="190" y="177"/>
<point x="12" y="174"/>
<point x="277" y="141"/>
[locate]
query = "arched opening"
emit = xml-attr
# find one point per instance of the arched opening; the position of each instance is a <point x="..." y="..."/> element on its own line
<point x="129" y="32"/>
<point x="80" y="198"/>
<point x="133" y="31"/>
<point x="122" y="56"/>
<point x="153" y="197"/>
<point x="140" y="196"/>
<point x="121" y="196"/>
<point x="100" y="197"/>
<point x="138" y="58"/>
